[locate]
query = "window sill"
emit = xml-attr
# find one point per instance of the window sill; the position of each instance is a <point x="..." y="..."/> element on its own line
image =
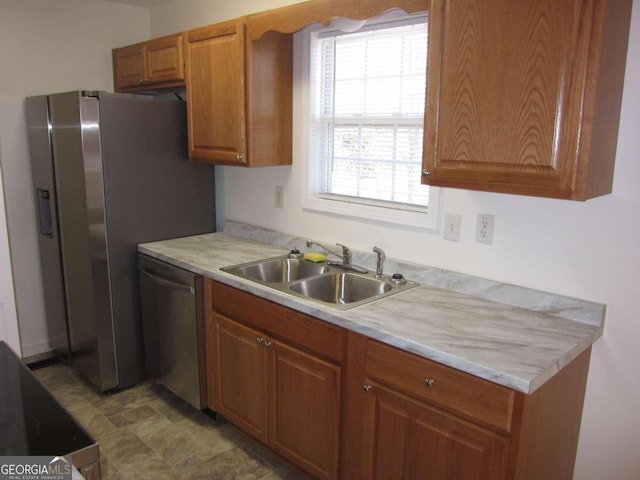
<point x="426" y="219"/>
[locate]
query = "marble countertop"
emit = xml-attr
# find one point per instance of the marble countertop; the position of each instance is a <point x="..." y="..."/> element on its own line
<point x="507" y="334"/>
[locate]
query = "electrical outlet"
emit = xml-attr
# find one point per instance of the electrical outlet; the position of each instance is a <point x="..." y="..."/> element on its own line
<point x="279" y="197"/>
<point x="484" y="228"/>
<point x="452" y="224"/>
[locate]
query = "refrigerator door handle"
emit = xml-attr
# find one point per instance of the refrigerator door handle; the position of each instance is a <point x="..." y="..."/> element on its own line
<point x="168" y="283"/>
<point x="44" y="212"/>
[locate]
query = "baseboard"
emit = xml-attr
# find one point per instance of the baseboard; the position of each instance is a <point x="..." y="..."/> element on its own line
<point x="35" y="349"/>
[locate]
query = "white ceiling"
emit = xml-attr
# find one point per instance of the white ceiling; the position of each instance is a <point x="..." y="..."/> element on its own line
<point x="140" y="3"/>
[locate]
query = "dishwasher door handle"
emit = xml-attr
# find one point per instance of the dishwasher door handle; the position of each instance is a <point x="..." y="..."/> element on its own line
<point x="168" y="283"/>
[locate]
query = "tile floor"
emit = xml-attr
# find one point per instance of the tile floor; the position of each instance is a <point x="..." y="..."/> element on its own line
<point x="146" y="432"/>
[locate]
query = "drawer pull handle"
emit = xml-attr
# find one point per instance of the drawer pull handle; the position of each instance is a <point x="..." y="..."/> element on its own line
<point x="366" y="388"/>
<point x="428" y="382"/>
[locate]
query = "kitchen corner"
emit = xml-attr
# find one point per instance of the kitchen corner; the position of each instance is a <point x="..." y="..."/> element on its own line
<point x="523" y="164"/>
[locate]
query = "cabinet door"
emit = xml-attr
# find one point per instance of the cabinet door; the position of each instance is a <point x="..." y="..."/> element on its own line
<point x="305" y="410"/>
<point x="410" y="440"/>
<point x="129" y="66"/>
<point x="165" y="62"/>
<point x="505" y="85"/>
<point x="241" y="376"/>
<point x="216" y="93"/>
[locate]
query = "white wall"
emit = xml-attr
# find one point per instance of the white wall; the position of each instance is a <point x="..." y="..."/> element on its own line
<point x="46" y="46"/>
<point x="179" y="15"/>
<point x="588" y="250"/>
<point x="9" y="332"/>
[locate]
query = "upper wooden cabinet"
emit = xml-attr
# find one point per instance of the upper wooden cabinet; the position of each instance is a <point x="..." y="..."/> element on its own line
<point x="524" y="97"/>
<point x="151" y="65"/>
<point x="128" y="67"/>
<point x="239" y="96"/>
<point x="240" y="75"/>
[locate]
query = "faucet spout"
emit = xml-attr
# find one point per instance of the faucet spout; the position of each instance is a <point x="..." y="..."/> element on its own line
<point x="330" y="252"/>
<point x="345" y="257"/>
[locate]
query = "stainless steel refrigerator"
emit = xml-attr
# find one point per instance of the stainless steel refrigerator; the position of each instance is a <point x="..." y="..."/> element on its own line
<point x="109" y="171"/>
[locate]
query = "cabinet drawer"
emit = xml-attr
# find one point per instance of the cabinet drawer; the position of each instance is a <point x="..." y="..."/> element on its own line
<point x="460" y="393"/>
<point x="284" y="323"/>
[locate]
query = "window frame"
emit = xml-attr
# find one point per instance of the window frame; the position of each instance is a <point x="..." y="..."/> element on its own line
<point x="395" y="213"/>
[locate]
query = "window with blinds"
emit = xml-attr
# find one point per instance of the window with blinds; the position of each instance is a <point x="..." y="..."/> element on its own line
<point x="367" y="109"/>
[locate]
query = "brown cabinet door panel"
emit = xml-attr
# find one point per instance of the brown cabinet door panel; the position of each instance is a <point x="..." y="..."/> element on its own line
<point x="499" y="80"/>
<point x="411" y="440"/>
<point x="242" y="376"/>
<point x="514" y="90"/>
<point x="129" y="66"/>
<point x="305" y="405"/>
<point x="165" y="62"/>
<point x="216" y="94"/>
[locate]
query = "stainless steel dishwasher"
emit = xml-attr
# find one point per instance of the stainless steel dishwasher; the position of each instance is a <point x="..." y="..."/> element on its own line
<point x="173" y="328"/>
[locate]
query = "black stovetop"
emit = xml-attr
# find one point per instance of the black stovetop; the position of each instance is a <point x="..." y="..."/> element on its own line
<point x="32" y="422"/>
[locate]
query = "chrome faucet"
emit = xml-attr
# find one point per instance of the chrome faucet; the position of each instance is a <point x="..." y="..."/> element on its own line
<point x="345" y="257"/>
<point x="346" y="253"/>
<point x="379" y="260"/>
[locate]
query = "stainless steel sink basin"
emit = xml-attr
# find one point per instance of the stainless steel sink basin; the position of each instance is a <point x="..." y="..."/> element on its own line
<point x="278" y="270"/>
<point x="319" y="282"/>
<point x="341" y="288"/>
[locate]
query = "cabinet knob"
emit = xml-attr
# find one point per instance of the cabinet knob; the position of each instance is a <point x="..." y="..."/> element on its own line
<point x="262" y="341"/>
<point x="426" y="173"/>
<point x="239" y="157"/>
<point x="366" y="388"/>
<point x="428" y="382"/>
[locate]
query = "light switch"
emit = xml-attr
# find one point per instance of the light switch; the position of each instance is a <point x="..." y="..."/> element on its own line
<point x="452" y="223"/>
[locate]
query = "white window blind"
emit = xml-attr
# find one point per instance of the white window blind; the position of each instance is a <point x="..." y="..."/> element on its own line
<point x="367" y="114"/>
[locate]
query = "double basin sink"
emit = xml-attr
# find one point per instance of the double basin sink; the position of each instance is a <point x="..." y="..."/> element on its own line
<point x="319" y="282"/>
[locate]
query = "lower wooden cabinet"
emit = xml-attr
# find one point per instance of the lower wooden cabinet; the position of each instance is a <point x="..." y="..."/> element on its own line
<point x="341" y="405"/>
<point x="410" y="440"/>
<point x="422" y="420"/>
<point x="407" y="417"/>
<point x="241" y="386"/>
<point x="275" y="388"/>
<point x="304" y="420"/>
